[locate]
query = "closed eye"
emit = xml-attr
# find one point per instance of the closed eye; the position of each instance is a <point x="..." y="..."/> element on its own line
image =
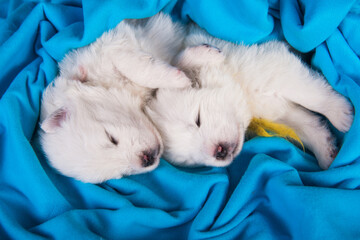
<point x="112" y="139"/>
<point x="197" y="121"/>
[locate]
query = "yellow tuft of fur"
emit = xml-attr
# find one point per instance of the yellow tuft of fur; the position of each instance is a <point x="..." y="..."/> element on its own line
<point x="266" y="128"/>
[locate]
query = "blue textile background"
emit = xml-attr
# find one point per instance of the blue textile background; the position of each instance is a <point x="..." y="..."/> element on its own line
<point x="273" y="190"/>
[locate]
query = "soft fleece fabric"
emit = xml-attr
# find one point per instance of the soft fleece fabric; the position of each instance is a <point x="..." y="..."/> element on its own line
<point x="273" y="190"/>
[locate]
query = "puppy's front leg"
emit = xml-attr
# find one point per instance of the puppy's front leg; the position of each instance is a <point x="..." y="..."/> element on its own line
<point x="313" y="132"/>
<point x="147" y="71"/>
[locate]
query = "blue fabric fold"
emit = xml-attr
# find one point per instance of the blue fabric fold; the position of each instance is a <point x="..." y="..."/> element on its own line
<point x="273" y="190"/>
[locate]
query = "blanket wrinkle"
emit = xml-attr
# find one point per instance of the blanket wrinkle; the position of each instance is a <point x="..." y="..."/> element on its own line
<point x="272" y="190"/>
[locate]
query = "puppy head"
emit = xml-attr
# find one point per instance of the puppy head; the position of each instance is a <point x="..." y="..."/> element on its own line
<point x="200" y="126"/>
<point x="93" y="134"/>
<point x="206" y="125"/>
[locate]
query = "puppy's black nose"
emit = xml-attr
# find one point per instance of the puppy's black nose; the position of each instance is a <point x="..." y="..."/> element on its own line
<point x="221" y="152"/>
<point x="148" y="157"/>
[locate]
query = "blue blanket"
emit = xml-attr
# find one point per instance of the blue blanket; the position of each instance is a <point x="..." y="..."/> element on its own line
<point x="273" y="190"/>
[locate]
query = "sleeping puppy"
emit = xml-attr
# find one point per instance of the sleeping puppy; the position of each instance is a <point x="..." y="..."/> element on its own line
<point x="236" y="84"/>
<point x="93" y="126"/>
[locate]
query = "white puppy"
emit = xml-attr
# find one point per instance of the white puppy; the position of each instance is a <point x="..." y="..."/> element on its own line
<point x="238" y="83"/>
<point x="92" y="119"/>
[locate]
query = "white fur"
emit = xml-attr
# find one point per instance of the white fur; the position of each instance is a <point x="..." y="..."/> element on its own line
<point x="268" y="80"/>
<point x="92" y="119"/>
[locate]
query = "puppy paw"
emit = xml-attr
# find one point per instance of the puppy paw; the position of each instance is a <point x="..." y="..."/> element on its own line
<point x="206" y="52"/>
<point x="209" y="48"/>
<point x="342" y="114"/>
<point x="328" y="153"/>
<point x="345" y="119"/>
<point x="178" y="79"/>
<point x="200" y="55"/>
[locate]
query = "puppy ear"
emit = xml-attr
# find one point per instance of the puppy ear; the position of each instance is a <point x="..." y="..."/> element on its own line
<point x="54" y="121"/>
<point x="81" y="74"/>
